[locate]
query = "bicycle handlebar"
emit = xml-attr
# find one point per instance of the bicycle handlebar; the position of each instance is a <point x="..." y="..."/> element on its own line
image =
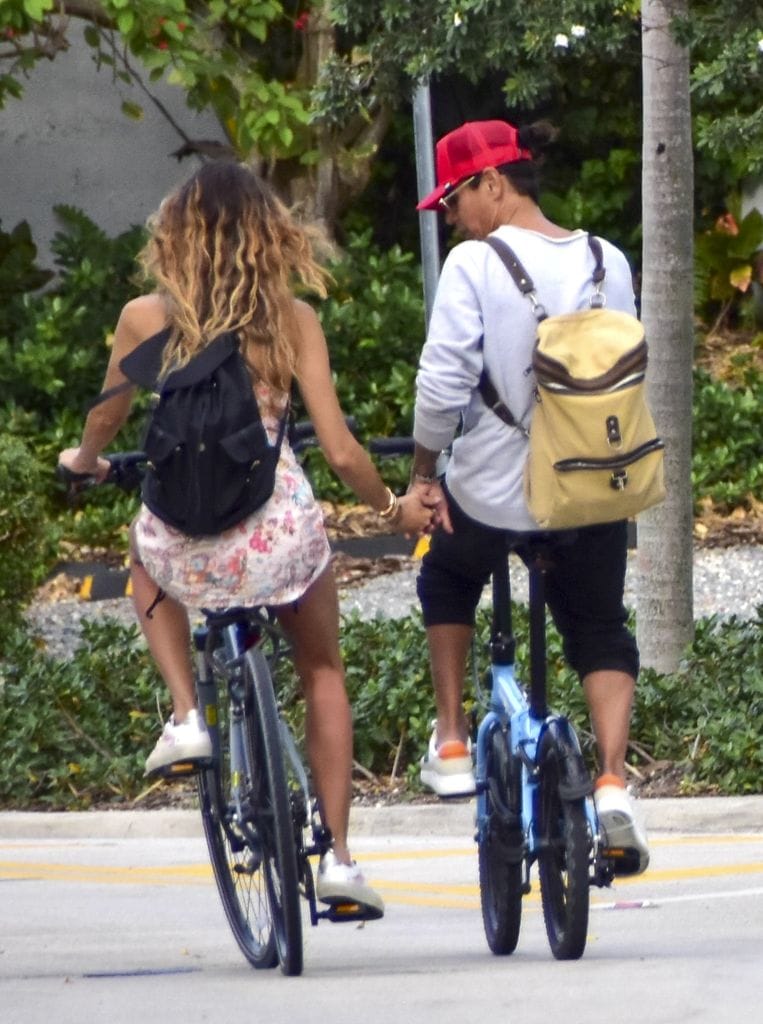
<point x="390" y="446"/>
<point x="126" y="469"/>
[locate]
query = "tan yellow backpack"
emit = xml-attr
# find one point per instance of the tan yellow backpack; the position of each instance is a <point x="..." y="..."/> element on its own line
<point x="594" y="455"/>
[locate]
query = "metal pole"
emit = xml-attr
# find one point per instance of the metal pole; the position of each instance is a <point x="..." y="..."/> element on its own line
<point x="430" y="246"/>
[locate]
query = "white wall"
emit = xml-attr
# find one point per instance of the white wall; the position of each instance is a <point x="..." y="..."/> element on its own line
<point x="67" y="141"/>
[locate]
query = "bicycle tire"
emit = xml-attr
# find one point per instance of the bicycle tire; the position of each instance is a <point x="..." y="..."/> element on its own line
<point x="235" y="856"/>
<point x="563" y="862"/>
<point x="500" y="850"/>
<point x="272" y="811"/>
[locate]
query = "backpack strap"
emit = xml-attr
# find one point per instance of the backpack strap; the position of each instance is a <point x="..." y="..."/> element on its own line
<point x="142" y="367"/>
<point x="598" y="299"/>
<point x="525" y="284"/>
<point x="519" y="275"/>
<point x="492" y="400"/>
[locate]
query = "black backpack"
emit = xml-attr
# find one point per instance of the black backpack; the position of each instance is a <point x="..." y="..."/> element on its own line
<point x="210" y="463"/>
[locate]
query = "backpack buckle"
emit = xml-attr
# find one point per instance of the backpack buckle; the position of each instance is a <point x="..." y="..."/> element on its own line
<point x="614" y="437"/>
<point x="538" y="308"/>
<point x="619" y="480"/>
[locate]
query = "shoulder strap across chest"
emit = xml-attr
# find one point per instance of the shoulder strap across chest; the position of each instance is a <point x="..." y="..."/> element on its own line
<point x="525" y="284"/>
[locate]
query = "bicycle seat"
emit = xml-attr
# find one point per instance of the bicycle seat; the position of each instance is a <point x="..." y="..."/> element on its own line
<point x="219" y="617"/>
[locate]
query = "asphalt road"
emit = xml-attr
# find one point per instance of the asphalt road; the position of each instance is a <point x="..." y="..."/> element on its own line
<point x="114" y="918"/>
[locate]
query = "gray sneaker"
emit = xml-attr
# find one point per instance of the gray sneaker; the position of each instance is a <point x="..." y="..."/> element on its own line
<point x="621" y="832"/>
<point x="447" y="769"/>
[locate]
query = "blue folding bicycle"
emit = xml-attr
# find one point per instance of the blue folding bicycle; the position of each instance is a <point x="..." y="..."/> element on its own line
<point x="534" y="791"/>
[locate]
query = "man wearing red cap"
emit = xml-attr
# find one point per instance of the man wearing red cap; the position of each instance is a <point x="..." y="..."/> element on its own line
<point x="487" y="184"/>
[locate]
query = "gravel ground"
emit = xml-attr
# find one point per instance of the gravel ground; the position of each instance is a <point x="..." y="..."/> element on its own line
<point x="727" y="581"/>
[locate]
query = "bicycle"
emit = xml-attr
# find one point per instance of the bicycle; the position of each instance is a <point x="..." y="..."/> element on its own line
<point x="261" y="822"/>
<point x="534" y="802"/>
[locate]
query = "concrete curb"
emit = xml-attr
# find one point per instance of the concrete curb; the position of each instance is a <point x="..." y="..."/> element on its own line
<point x="456" y="819"/>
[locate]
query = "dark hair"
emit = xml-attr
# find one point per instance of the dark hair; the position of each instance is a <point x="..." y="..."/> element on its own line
<point x="523" y="174"/>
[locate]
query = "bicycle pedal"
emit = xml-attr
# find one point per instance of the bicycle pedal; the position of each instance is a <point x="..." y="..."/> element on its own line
<point x="339" y="912"/>
<point x="179" y="770"/>
<point x="624" y="860"/>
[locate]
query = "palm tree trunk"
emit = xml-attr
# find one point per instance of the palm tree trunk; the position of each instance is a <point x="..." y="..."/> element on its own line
<point x="665" y="621"/>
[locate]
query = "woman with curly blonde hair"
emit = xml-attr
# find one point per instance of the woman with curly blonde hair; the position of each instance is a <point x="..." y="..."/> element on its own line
<point x="223" y="254"/>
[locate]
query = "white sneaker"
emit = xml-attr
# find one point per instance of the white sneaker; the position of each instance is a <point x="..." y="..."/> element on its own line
<point x="447" y="769"/>
<point x="182" y="741"/>
<point x="621" y="832"/>
<point x="339" y="883"/>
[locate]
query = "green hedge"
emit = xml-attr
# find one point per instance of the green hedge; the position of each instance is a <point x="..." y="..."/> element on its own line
<point x="75" y="733"/>
<point x="24" y="554"/>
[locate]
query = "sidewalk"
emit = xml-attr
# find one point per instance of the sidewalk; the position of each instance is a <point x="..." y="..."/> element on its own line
<point x="456" y="819"/>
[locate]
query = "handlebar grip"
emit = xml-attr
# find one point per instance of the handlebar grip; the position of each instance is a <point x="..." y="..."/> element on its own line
<point x="68" y="476"/>
<point x="391" y="445"/>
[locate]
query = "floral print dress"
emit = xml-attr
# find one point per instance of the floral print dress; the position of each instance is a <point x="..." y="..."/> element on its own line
<point x="271" y="557"/>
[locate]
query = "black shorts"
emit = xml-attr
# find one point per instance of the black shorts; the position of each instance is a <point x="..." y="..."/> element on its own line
<point x="584" y="589"/>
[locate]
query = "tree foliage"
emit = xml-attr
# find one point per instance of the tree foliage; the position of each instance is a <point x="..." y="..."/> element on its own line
<point x="561" y="48"/>
<point x="308" y="88"/>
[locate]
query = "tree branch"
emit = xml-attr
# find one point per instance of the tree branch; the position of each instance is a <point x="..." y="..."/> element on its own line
<point x="87" y="10"/>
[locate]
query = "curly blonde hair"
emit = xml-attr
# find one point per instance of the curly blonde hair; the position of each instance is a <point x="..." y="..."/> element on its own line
<point x="225" y="253"/>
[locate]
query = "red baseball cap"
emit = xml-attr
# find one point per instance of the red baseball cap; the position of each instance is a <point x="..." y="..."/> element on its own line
<point x="469" y="149"/>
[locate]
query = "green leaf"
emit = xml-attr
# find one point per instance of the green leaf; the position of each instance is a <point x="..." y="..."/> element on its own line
<point x="35" y="9"/>
<point x="125" y="22"/>
<point x="132" y="110"/>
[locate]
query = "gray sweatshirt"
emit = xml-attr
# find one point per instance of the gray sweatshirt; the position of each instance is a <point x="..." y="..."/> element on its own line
<point x="480" y="318"/>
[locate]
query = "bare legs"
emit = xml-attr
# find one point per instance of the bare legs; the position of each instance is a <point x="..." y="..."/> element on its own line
<point x="312" y="624"/>
<point x="313" y="628"/>
<point x="609" y="695"/>
<point x="448" y="648"/>
<point x="610" y="699"/>
<point x="168" y="636"/>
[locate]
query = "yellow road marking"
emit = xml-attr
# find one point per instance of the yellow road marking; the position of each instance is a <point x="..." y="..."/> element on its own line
<point x="471" y="851"/>
<point x="413" y="892"/>
<point x="100" y="874"/>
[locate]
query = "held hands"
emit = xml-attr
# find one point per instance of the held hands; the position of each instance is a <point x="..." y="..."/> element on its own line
<point x="414" y="515"/>
<point x="431" y="495"/>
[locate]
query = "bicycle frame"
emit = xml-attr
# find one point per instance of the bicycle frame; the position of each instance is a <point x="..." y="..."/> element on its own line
<point x="527" y="718"/>
<point x="226" y="663"/>
<point x="246" y="634"/>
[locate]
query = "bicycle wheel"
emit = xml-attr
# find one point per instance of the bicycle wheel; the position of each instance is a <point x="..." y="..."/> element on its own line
<point x="501" y="850"/>
<point x="236" y="855"/>
<point x="272" y="813"/>
<point x="563" y="862"/>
